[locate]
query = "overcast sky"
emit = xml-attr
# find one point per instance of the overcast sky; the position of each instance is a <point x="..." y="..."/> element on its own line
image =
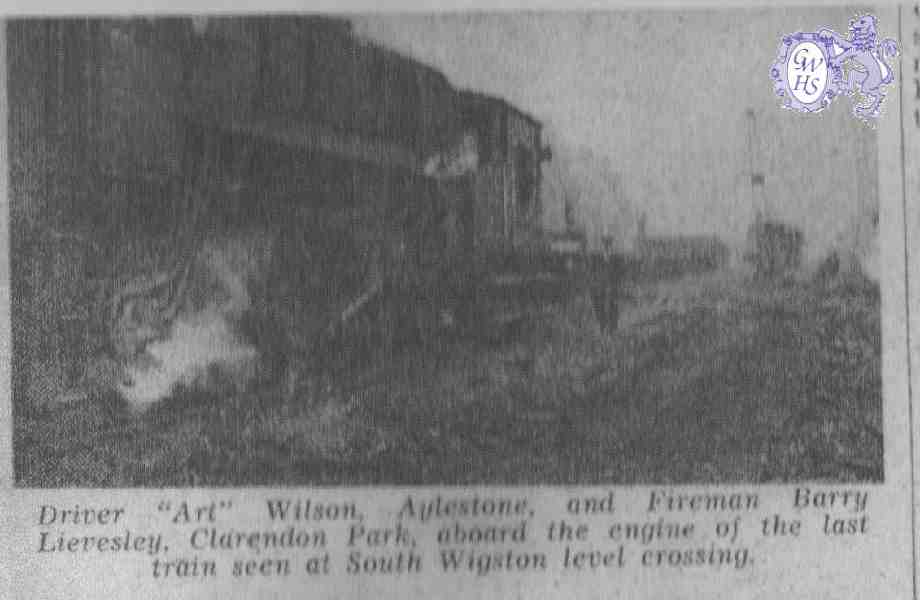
<point x="663" y="95"/>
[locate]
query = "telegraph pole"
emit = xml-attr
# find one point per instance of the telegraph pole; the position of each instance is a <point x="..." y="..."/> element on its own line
<point x="758" y="208"/>
<point x="758" y="200"/>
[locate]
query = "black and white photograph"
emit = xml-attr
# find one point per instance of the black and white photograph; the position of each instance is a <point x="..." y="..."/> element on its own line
<point x="447" y="248"/>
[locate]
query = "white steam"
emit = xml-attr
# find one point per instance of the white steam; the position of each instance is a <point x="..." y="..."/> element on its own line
<point x="202" y="341"/>
<point x="197" y="343"/>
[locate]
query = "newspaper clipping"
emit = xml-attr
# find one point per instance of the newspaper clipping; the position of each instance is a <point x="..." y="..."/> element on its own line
<point x="530" y="302"/>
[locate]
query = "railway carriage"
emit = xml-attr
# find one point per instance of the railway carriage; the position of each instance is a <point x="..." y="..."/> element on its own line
<point x="396" y="203"/>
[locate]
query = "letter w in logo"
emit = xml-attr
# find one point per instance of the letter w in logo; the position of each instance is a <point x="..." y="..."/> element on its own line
<point x="804" y="63"/>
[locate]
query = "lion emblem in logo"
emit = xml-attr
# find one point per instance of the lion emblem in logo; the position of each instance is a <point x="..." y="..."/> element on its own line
<point x="864" y="55"/>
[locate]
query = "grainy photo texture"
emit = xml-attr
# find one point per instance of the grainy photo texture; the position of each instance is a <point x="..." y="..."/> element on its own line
<point x="520" y="248"/>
